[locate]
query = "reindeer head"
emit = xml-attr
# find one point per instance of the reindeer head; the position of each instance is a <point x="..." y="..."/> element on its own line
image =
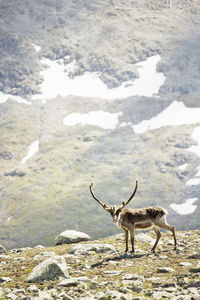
<point x="114" y="210"/>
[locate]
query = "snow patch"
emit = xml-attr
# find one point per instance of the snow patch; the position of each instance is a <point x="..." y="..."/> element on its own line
<point x="37" y="48"/>
<point x="5" y="97"/>
<point x="102" y="119"/>
<point x="193" y="181"/>
<point x="32" y="149"/>
<point x="175" y="114"/>
<point x="57" y="82"/>
<point x="196" y="150"/>
<point x="185" y="208"/>
<point x="183" y="167"/>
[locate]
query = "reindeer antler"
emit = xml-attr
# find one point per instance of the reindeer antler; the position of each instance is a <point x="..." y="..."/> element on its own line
<point x="131" y="197"/>
<point x="102" y="204"/>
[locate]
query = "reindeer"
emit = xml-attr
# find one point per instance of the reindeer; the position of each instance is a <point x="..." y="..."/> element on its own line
<point x="141" y="218"/>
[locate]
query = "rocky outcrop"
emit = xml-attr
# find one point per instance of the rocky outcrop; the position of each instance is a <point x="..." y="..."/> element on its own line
<point x="6" y="155"/>
<point x="71" y="236"/>
<point x="50" y="269"/>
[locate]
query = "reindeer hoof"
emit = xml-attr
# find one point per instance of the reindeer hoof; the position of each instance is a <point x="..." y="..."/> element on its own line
<point x="153" y="250"/>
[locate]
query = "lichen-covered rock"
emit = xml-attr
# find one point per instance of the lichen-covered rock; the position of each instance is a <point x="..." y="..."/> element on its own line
<point x="195" y="269"/>
<point x="165" y="270"/>
<point x="50" y="269"/>
<point x="72" y="281"/>
<point x="185" y="264"/>
<point x="71" y="236"/>
<point x="88" y="248"/>
<point x="194" y="256"/>
<point x="5" y="279"/>
<point x="133" y="277"/>
<point x="44" y="254"/>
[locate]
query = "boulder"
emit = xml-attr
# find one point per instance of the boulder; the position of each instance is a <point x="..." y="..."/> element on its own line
<point x="50" y="269"/>
<point x="71" y="236"/>
<point x="88" y="248"/>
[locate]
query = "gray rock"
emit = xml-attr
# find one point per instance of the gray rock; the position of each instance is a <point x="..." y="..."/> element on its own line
<point x="195" y="269"/>
<point x="112" y="272"/>
<point x="64" y="296"/>
<point x="19" y="258"/>
<point x="194" y="284"/>
<point x="193" y="291"/>
<point x="44" y="295"/>
<point x="185" y="264"/>
<point x="161" y="294"/>
<point x="69" y="282"/>
<point x="44" y="254"/>
<point x="145" y="238"/>
<point x="2" y="249"/>
<point x="133" y="277"/>
<point x="181" y="174"/>
<point x="165" y="270"/>
<point x="19" y="173"/>
<point x="33" y="288"/>
<point x="136" y="288"/>
<point x="73" y="281"/>
<point x="182" y="281"/>
<point x="88" y="248"/>
<point x="50" y="269"/>
<point x="11" y="296"/>
<point x="194" y="256"/>
<point x="6" y="155"/>
<point x="112" y="295"/>
<point x="3" y="256"/>
<point x="71" y="236"/>
<point x="5" y="279"/>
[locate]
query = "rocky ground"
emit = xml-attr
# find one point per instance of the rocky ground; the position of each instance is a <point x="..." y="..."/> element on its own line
<point x="99" y="270"/>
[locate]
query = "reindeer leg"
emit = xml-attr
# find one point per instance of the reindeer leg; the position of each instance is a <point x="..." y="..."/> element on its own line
<point x="132" y="234"/>
<point x="158" y="235"/>
<point x="126" y="239"/>
<point x="171" y="228"/>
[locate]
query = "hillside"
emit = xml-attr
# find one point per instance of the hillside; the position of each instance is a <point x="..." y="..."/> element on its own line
<point x="50" y="191"/>
<point x="104" y="272"/>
